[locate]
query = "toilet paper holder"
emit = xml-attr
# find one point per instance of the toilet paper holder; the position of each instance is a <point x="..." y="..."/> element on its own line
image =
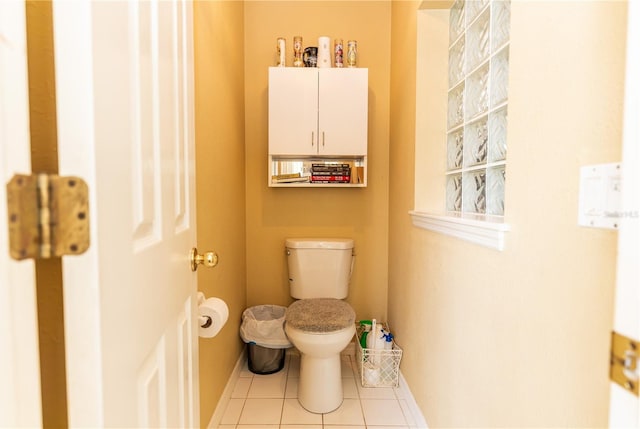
<point x="205" y="321"/>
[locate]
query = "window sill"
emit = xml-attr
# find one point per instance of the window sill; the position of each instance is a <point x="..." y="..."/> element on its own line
<point x="483" y="230"/>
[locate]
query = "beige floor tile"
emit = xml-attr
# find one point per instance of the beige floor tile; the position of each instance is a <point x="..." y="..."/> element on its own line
<point x="257" y="426"/>
<point x="270" y="402"/>
<point x="383" y="412"/>
<point x="232" y="413"/>
<point x="376" y="392"/>
<point x="300" y="426"/>
<point x="349" y="388"/>
<point x="244" y="371"/>
<point x="349" y="413"/>
<point x="343" y="427"/>
<point x="261" y="411"/>
<point x="294" y="367"/>
<point x="294" y="413"/>
<point x="384" y="427"/>
<point x="292" y="388"/>
<point x="346" y="367"/>
<point x="399" y="393"/>
<point x="268" y="386"/>
<point x="241" y="388"/>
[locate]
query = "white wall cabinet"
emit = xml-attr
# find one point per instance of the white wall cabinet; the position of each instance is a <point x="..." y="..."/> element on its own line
<point x="317" y="115"/>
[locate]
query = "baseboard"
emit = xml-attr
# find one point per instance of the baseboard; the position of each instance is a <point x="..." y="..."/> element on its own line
<point x="418" y="418"/>
<point x="216" y="418"/>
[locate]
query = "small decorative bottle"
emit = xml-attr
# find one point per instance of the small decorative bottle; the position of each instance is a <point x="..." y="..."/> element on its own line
<point x="297" y="52"/>
<point x="281" y="52"/>
<point x="338" y="52"/>
<point x="352" y="53"/>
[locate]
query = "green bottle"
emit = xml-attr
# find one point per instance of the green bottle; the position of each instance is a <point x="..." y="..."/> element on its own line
<point x="366" y="325"/>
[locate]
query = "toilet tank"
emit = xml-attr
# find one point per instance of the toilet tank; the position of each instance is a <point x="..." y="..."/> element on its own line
<point x="319" y="268"/>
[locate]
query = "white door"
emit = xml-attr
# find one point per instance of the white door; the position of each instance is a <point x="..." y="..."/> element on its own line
<point x="124" y="89"/>
<point x="19" y="356"/>
<point x="624" y="406"/>
<point x="342" y="111"/>
<point x="293" y="111"/>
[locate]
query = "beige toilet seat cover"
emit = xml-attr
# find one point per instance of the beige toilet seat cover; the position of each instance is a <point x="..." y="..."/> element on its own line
<point x="320" y="315"/>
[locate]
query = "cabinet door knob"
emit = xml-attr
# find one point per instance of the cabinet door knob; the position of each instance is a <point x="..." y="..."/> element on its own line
<point x="312" y="138"/>
<point x="323" y="139"/>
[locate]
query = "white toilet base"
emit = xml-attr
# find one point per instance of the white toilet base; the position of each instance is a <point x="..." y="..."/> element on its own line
<point x="320" y="386"/>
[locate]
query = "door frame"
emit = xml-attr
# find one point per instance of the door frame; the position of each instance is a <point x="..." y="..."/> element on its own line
<point x="20" y="391"/>
<point x="624" y="409"/>
<point x="74" y="76"/>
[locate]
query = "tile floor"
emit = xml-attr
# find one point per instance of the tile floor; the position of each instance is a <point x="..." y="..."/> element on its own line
<point x="270" y="401"/>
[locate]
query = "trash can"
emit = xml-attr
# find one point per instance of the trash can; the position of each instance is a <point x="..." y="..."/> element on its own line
<point x="263" y="330"/>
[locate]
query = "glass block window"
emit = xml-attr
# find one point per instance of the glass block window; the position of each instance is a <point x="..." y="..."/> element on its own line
<point x="477" y="106"/>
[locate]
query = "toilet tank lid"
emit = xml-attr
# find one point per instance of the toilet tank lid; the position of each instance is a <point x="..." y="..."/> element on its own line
<point x="319" y="243"/>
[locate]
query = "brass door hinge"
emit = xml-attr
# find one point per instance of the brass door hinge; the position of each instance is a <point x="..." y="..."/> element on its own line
<point x="624" y="362"/>
<point x="48" y="216"/>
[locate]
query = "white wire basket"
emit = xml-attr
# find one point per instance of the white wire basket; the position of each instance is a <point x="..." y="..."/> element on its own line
<point x="378" y="368"/>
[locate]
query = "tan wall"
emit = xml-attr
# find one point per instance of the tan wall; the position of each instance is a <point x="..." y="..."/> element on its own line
<point x="220" y="183"/>
<point x="274" y="214"/>
<point x="519" y="337"/>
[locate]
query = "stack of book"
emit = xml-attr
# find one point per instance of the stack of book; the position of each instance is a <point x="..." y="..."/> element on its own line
<point x="330" y="173"/>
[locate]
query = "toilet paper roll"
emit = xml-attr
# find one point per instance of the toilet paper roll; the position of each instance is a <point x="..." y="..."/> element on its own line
<point x="324" y="51"/>
<point x="213" y="314"/>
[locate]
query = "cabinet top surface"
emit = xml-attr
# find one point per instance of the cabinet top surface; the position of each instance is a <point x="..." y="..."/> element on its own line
<point x="322" y="69"/>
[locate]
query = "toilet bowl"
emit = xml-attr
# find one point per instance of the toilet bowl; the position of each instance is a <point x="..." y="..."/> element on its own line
<point x="320" y="324"/>
<point x="320" y="328"/>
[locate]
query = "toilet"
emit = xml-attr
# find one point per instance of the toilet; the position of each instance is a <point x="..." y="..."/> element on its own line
<point x="319" y="324"/>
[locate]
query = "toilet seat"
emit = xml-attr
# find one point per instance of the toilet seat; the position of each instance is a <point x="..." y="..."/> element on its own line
<point x="320" y="315"/>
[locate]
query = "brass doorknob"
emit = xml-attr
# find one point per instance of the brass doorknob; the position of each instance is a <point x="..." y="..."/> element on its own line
<point x="208" y="259"/>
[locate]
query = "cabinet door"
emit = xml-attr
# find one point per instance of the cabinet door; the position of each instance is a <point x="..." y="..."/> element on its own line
<point x="342" y="111"/>
<point x="293" y="111"/>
